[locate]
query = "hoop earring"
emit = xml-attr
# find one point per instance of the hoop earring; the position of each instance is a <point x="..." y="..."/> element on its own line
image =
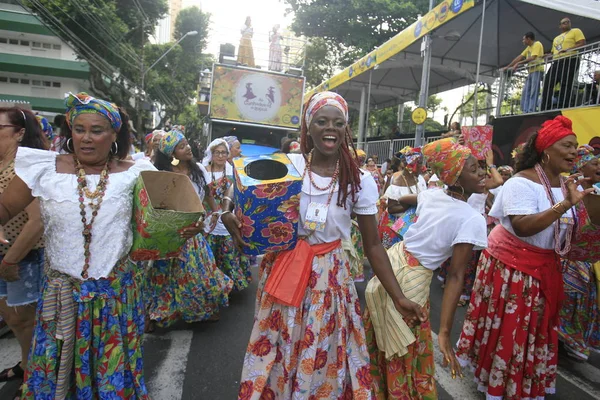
<point x="114" y="150"/>
<point x="545" y="162"/>
<point x="69" y="145"/>
<point x="174" y="162"/>
<point x="462" y="190"/>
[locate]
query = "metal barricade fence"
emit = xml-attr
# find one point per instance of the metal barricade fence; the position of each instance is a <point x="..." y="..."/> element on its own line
<point x="385" y="149"/>
<point x="568" y="81"/>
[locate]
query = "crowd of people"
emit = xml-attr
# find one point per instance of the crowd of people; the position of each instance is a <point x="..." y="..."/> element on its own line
<point x="500" y="239"/>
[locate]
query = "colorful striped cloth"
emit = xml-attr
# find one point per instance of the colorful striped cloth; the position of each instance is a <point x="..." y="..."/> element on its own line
<point x="391" y="331"/>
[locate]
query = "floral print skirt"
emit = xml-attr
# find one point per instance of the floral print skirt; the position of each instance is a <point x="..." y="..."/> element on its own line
<point x="107" y="349"/>
<point x="579" y="327"/>
<point x="409" y="377"/>
<point x="229" y="260"/>
<point x="190" y="287"/>
<point x="315" y="351"/>
<point x="357" y="268"/>
<point x="508" y="337"/>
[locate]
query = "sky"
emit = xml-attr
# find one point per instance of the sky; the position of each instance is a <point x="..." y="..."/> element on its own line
<point x="228" y="16"/>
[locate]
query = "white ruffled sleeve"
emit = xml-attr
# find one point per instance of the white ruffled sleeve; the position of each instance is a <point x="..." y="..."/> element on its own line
<point x="33" y="166"/>
<point x="142" y="165"/>
<point x="367" y="196"/>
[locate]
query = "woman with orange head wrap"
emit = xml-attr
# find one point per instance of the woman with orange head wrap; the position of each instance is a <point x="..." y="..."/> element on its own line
<point x="519" y="281"/>
<point x="402" y="362"/>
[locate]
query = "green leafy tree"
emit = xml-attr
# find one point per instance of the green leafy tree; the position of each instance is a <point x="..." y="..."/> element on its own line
<point x="434" y="103"/>
<point x="320" y="63"/>
<point x="356" y="26"/>
<point x="174" y="80"/>
<point x="108" y="34"/>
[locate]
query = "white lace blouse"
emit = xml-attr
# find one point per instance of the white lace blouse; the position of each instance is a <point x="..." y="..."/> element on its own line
<point x="111" y="233"/>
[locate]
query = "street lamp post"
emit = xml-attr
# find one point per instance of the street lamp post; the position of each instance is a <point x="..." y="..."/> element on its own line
<point x="142" y="94"/>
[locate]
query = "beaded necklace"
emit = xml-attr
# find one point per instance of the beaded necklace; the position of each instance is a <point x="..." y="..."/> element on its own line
<point x="546" y="183"/>
<point x="97" y="195"/>
<point x="334" y="178"/>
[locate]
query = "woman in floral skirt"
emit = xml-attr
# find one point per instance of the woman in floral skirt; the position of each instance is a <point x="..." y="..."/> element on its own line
<point x="579" y="327"/>
<point x="402" y="363"/>
<point x="189" y="287"/>
<point x="509" y="335"/>
<point x="87" y="340"/>
<point x="312" y="345"/>
<point x="219" y="176"/>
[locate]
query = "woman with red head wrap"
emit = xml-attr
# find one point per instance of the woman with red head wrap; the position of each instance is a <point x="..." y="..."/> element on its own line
<point x="519" y="282"/>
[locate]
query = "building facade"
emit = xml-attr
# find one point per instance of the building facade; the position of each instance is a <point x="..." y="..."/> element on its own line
<point x="36" y="66"/>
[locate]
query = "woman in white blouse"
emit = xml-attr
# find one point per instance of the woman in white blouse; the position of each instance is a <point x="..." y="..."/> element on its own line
<point x="509" y="335"/>
<point x="313" y="344"/>
<point x="90" y="320"/>
<point x="402" y="359"/>
<point x="408" y="180"/>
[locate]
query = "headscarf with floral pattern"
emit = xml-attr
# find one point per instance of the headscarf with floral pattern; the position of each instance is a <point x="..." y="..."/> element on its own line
<point x="446" y="158"/>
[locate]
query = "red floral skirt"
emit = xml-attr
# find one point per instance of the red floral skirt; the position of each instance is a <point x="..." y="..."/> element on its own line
<point x="508" y="337"/>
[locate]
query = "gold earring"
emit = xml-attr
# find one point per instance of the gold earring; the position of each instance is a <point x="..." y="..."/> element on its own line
<point x="545" y="162"/>
<point x="174" y="162"/>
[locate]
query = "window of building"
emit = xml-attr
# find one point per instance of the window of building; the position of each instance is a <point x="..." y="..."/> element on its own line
<point x="3" y="40"/>
<point x="46" y="45"/>
<point x="47" y="83"/>
<point x="24" y="81"/>
<point x="36" y="83"/>
<point x="3" y="79"/>
<point x="14" y="80"/>
<point x="36" y="44"/>
<point x="24" y="42"/>
<point x="56" y="84"/>
<point x="13" y="41"/>
<point x="56" y="46"/>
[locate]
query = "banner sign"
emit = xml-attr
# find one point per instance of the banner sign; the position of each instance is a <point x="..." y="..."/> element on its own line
<point x="439" y="15"/>
<point x="257" y="97"/>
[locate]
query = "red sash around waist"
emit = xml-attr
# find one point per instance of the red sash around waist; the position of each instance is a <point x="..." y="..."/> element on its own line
<point x="289" y="277"/>
<point x="542" y="264"/>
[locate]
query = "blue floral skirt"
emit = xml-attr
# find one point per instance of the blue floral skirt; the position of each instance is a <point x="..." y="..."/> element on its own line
<point x="107" y="323"/>
<point x="229" y="260"/>
<point x="190" y="287"/>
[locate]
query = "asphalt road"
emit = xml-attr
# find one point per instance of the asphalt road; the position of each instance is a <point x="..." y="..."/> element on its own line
<point x="203" y="361"/>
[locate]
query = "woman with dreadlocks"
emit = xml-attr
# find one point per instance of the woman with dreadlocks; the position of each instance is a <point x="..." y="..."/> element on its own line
<point x="314" y="344"/>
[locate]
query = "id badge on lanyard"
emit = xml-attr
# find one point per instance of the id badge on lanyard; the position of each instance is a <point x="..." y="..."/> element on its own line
<point x="316" y="216"/>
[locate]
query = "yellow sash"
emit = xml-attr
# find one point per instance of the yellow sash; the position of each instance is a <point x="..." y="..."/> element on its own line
<point x="391" y="331"/>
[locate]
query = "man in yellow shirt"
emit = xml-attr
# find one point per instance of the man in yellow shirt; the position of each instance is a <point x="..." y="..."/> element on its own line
<point x="532" y="55"/>
<point x="564" y="66"/>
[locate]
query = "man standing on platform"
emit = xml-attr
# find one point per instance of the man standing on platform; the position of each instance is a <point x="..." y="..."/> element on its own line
<point x="532" y="55"/>
<point x="564" y="65"/>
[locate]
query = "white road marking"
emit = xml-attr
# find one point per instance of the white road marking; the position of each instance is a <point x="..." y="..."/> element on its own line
<point x="167" y="384"/>
<point x="10" y="354"/>
<point x="579" y="383"/>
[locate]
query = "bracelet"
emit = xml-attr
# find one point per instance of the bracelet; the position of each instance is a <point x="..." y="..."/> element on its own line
<point x="556" y="210"/>
<point x="9" y="263"/>
<point x="228" y="198"/>
<point x="492" y="166"/>
<point x="225" y="212"/>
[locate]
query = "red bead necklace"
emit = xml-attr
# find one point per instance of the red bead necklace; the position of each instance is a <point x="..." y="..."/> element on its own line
<point x="334" y="178"/>
<point x="97" y="195"/>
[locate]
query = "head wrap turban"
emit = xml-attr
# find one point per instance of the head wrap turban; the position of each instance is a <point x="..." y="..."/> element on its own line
<point x="295" y="148"/>
<point x="552" y="131"/>
<point x="506" y="168"/>
<point x="585" y="154"/>
<point x="83" y="103"/>
<point x="323" y="99"/>
<point x="446" y="158"/>
<point x="170" y="140"/>
<point x="46" y="127"/>
<point x="208" y="152"/>
<point x="230" y="140"/>
<point x="412" y="157"/>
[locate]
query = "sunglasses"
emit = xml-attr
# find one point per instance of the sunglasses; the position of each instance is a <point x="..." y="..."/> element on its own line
<point x="220" y="153"/>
